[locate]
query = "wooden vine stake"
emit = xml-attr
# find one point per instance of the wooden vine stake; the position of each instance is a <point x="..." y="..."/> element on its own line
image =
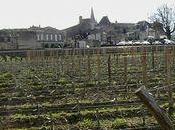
<point x="125" y="71"/>
<point x="117" y="59"/>
<point x="153" y="56"/>
<point x="173" y="54"/>
<point x="168" y="60"/>
<point x="28" y="56"/>
<point x="88" y="67"/>
<point x="132" y="55"/>
<point x="156" y="58"/>
<point x="72" y="63"/>
<point x="98" y="66"/>
<point x="161" y="117"/>
<point x="144" y="66"/>
<point x="109" y="69"/>
<point x="78" y="66"/>
<point x="62" y="64"/>
<point x="98" y="73"/>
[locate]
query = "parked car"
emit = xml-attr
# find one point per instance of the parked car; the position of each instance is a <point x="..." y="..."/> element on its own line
<point x="167" y="41"/>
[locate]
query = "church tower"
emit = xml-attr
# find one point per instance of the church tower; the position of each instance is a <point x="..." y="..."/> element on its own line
<point x="93" y="21"/>
<point x="92" y="15"/>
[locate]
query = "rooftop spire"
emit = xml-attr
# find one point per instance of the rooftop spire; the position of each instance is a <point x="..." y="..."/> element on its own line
<point x="92" y="15"/>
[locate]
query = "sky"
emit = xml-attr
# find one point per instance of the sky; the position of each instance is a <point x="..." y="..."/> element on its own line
<point x="62" y="14"/>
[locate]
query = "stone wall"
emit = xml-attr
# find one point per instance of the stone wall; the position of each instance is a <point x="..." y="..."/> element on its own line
<point x="27" y="40"/>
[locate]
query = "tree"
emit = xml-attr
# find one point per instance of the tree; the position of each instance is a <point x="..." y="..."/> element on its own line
<point x="166" y="16"/>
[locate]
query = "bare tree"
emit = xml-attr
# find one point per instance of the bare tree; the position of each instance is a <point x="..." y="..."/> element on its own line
<point x="166" y="16"/>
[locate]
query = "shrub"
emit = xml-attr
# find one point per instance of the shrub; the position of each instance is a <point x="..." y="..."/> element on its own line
<point x="7" y="75"/>
<point x="63" y="81"/>
<point x="119" y="123"/>
<point x="87" y="124"/>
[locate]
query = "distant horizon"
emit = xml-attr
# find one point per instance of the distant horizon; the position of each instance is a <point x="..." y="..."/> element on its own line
<point x="64" y="14"/>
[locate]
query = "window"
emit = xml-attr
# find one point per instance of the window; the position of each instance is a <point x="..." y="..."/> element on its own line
<point x="56" y="37"/>
<point x="60" y="38"/>
<point x="51" y="37"/>
<point x="47" y="37"/>
<point x="42" y="38"/>
<point x="38" y="37"/>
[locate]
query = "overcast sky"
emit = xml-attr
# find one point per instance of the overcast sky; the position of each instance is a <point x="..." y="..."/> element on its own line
<point x="64" y="13"/>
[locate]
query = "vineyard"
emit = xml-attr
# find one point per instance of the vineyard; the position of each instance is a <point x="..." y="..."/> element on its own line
<point x="85" y="89"/>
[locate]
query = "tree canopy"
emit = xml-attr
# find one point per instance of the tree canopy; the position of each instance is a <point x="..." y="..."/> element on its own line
<point x="166" y="16"/>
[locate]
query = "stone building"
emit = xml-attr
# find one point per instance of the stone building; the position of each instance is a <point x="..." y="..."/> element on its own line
<point x="48" y="37"/>
<point x="31" y="38"/>
<point x="106" y="32"/>
<point x="18" y="39"/>
<point x="82" y="29"/>
<point x="87" y="32"/>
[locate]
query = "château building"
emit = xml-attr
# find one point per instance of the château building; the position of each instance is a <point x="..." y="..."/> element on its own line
<point x="31" y="38"/>
<point x="48" y="37"/>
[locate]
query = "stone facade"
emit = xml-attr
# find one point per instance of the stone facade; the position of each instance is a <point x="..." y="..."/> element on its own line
<point x="31" y="38"/>
<point x="18" y="39"/>
<point x="48" y="37"/>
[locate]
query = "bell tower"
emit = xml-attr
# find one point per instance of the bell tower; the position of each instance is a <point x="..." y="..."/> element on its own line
<point x="92" y="15"/>
<point x="93" y="21"/>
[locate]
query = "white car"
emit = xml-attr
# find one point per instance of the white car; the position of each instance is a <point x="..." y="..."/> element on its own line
<point x="146" y="43"/>
<point x="130" y="43"/>
<point x="137" y="43"/>
<point x="157" y="43"/>
<point x="167" y="41"/>
<point x="122" y="43"/>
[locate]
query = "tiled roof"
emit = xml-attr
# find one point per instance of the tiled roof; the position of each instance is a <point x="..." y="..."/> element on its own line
<point x="104" y="21"/>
